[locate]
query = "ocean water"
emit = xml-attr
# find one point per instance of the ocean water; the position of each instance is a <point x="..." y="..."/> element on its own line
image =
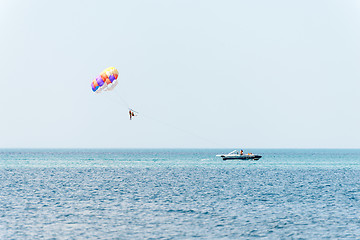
<point x="179" y="194"/>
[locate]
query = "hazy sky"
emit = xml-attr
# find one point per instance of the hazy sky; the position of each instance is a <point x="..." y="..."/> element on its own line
<point x="250" y="74"/>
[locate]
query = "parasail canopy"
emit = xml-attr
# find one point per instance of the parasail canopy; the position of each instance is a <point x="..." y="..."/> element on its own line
<point x="107" y="80"/>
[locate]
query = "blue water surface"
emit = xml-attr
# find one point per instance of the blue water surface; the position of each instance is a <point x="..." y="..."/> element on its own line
<point x="179" y="194"/>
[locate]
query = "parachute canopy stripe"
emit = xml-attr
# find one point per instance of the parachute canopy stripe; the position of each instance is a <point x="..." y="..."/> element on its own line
<point x="107" y="80"/>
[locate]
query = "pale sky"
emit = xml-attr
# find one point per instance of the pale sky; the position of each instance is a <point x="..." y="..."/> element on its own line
<point x="201" y="74"/>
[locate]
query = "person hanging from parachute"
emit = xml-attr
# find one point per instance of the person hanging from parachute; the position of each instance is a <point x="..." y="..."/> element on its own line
<point x="132" y="113"/>
<point x="107" y="81"/>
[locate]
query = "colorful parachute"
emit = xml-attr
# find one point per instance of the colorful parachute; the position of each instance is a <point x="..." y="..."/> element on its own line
<point x="106" y="81"/>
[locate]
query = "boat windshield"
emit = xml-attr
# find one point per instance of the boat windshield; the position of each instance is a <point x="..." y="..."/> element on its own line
<point x="235" y="152"/>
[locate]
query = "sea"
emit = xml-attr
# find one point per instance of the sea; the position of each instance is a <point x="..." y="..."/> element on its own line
<point x="179" y="194"/>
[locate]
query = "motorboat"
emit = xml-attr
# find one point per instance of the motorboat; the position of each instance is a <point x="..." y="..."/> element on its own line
<point x="235" y="155"/>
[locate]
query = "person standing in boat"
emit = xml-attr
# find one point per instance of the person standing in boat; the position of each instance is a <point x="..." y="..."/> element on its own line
<point x="241" y="152"/>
